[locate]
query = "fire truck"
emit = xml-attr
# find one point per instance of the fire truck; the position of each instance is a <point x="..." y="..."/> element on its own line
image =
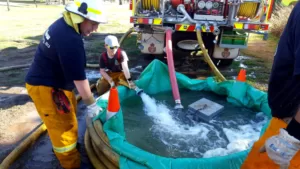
<point x="225" y="25"/>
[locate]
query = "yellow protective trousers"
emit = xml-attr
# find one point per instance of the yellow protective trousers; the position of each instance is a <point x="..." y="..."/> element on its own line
<point x="118" y="77"/>
<point x="257" y="160"/>
<point x="62" y="128"/>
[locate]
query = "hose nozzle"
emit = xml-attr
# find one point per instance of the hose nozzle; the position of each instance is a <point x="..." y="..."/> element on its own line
<point x="138" y="91"/>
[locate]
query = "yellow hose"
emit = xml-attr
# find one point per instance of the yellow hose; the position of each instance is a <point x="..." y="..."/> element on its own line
<point x="106" y="150"/>
<point x="91" y="154"/>
<point x="252" y="10"/>
<point x="248" y="9"/>
<point x="28" y="141"/>
<point x="22" y="147"/>
<point x="207" y="57"/>
<point x="146" y="4"/>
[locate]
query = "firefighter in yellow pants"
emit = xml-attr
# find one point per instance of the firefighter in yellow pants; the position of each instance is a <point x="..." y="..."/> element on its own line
<point x="279" y="147"/>
<point x="114" y="67"/>
<point x="62" y="128"/>
<point x="57" y="68"/>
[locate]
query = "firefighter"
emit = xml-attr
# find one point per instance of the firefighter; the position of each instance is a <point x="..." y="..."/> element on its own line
<point x="284" y="93"/>
<point x="114" y="67"/>
<point x="57" y="68"/>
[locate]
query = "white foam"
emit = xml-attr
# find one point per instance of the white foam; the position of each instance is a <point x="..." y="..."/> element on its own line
<point x="185" y="138"/>
<point x="240" y="139"/>
<point x="164" y="120"/>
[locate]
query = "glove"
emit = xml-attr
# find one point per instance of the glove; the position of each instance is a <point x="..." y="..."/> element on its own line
<point x="281" y="148"/>
<point x="131" y="84"/>
<point x="112" y="83"/>
<point x="93" y="110"/>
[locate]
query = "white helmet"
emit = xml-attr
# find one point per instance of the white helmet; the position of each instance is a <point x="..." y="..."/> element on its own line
<point x="90" y="9"/>
<point x="111" y="41"/>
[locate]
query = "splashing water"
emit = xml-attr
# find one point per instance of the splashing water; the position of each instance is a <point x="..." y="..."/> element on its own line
<point x="157" y="131"/>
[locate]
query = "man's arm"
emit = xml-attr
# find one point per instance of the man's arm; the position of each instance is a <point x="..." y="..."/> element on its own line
<point x="293" y="127"/>
<point x="283" y="147"/>
<point x="84" y="91"/>
<point x="125" y="65"/>
<point x="105" y="75"/>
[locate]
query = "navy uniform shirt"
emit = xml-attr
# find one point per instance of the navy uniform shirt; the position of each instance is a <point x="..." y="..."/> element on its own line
<point x="284" y="84"/>
<point x="60" y="58"/>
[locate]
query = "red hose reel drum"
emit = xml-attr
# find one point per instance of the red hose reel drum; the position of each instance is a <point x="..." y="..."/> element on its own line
<point x="188" y="4"/>
<point x="175" y="3"/>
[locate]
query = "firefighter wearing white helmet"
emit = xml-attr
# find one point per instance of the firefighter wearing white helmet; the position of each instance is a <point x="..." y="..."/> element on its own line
<point x="114" y="67"/>
<point x="89" y="9"/>
<point x="57" y="69"/>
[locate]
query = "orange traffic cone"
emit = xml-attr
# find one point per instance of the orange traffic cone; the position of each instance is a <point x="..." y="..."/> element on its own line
<point x="113" y="103"/>
<point x="242" y="76"/>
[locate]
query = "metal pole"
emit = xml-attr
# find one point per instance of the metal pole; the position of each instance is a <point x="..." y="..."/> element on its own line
<point x="8" y="5"/>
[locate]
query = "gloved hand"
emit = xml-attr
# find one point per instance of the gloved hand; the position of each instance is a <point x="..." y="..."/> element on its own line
<point x="93" y="110"/>
<point x="281" y="148"/>
<point x="112" y="83"/>
<point x="131" y="84"/>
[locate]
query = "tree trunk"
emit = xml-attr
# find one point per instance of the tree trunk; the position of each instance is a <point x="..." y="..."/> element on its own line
<point x="120" y="2"/>
<point x="8" y="5"/>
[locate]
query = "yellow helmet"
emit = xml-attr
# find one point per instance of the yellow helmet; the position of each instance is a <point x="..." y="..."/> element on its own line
<point x="90" y="9"/>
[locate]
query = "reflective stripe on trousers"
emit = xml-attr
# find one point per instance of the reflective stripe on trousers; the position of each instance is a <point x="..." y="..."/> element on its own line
<point x="65" y="149"/>
<point x="62" y="128"/>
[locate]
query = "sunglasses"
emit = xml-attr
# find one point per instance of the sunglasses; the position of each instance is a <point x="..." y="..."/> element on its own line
<point x="113" y="47"/>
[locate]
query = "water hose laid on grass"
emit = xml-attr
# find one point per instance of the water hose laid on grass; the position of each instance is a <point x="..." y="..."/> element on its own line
<point x="2" y="69"/>
<point x="22" y="147"/>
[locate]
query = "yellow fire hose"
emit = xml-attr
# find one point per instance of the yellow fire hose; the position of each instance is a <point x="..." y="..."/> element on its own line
<point x="22" y="147"/>
<point x="207" y="57"/>
<point x="100" y="146"/>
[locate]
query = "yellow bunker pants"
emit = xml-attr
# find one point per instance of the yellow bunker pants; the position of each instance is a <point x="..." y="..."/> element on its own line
<point x="118" y="77"/>
<point x="256" y="160"/>
<point x="62" y="128"/>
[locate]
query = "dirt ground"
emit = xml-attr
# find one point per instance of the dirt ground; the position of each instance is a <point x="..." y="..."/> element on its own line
<point x="18" y="116"/>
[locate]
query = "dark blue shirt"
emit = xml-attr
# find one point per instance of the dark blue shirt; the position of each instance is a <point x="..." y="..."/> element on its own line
<point x="284" y="84"/>
<point x="59" y="59"/>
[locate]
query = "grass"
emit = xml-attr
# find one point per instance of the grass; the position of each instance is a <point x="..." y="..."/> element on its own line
<point x="279" y="19"/>
<point x="31" y="24"/>
<point x="23" y="26"/>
